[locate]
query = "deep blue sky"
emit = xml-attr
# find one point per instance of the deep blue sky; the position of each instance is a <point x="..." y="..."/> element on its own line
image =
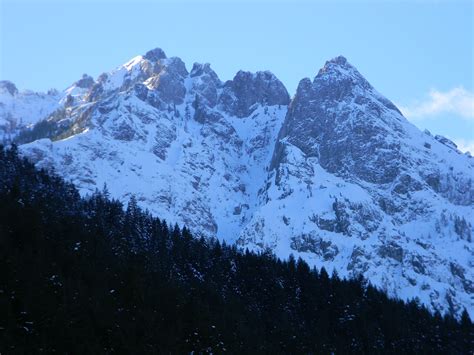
<point x="405" y="49"/>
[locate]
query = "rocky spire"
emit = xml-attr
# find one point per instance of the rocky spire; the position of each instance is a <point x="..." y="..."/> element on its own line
<point x="8" y="86"/>
<point x="341" y="119"/>
<point x="155" y="54"/>
<point x="247" y="89"/>
<point x="86" y="82"/>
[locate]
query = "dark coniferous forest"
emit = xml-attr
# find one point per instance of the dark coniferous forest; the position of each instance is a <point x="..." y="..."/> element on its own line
<point x="89" y="276"/>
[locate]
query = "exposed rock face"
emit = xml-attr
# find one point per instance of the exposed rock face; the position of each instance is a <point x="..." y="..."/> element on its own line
<point x="155" y="55"/>
<point x="86" y="82"/>
<point x="247" y="90"/>
<point x="169" y="82"/>
<point x="9" y="87"/>
<point x="341" y="120"/>
<point x="337" y="176"/>
<point x="206" y="85"/>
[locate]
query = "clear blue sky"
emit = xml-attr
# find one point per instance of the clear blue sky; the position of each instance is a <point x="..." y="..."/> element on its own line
<point x="406" y="49"/>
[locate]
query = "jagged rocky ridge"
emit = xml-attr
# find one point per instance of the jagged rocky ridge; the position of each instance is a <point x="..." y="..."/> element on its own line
<point x="335" y="175"/>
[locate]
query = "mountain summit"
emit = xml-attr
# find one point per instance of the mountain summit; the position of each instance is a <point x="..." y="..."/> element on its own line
<point x="335" y="175"/>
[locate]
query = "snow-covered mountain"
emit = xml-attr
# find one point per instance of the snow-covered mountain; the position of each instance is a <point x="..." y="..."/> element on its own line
<point x="22" y="109"/>
<point x="335" y="175"/>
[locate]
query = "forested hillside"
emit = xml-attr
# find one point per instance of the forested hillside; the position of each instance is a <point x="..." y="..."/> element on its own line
<point x="88" y="276"/>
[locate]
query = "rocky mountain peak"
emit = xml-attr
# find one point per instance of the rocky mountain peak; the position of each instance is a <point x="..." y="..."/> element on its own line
<point x="304" y="88"/>
<point x="336" y="62"/>
<point x="155" y="54"/>
<point x="153" y="71"/>
<point x="246" y="90"/>
<point x="205" y="83"/>
<point x="339" y="72"/>
<point x="340" y="80"/>
<point x="8" y="86"/>
<point x="344" y="122"/>
<point x="176" y="65"/>
<point x="168" y="81"/>
<point x="86" y="82"/>
<point x="201" y="69"/>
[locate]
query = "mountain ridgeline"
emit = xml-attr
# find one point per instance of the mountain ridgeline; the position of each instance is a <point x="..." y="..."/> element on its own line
<point x="88" y="275"/>
<point x="335" y="174"/>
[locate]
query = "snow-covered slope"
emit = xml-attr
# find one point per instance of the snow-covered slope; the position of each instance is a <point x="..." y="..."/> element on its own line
<point x="337" y="176"/>
<point x="21" y="109"/>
